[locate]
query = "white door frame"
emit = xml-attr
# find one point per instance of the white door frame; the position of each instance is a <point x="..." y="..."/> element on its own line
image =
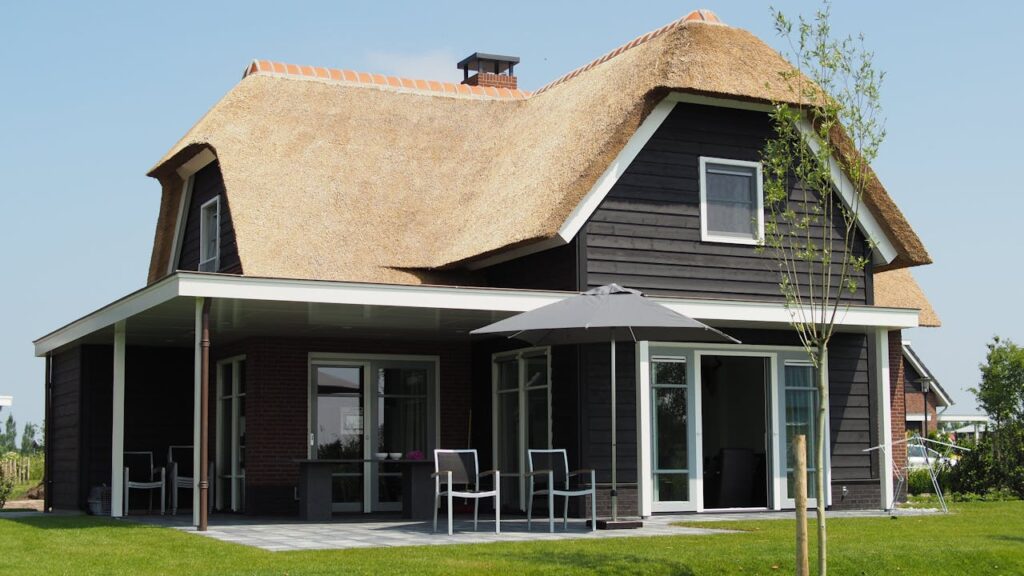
<point x="365" y="362"/>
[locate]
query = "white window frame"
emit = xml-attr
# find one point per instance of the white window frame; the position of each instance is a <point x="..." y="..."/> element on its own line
<point x="787" y="502"/>
<point x="215" y="201"/>
<point x="229" y="448"/>
<point x="519" y="356"/>
<point x="707" y="236"/>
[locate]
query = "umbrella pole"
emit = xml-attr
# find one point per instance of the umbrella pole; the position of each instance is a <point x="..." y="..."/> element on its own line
<point x="615" y="495"/>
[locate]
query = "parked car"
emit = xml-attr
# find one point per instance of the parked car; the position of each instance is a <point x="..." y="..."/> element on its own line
<point x="916" y="457"/>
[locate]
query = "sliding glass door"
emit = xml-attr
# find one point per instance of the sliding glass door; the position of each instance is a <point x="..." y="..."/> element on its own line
<point x="364" y="408"/>
<point x="801" y="406"/>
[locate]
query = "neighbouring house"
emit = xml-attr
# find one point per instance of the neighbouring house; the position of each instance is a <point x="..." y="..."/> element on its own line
<point x="344" y="231"/>
<point x="925" y="396"/>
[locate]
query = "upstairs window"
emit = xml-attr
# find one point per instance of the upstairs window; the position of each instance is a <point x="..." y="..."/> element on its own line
<point x="731" y="201"/>
<point x="209" y="235"/>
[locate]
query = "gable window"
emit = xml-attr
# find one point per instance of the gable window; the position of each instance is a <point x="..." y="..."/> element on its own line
<point x="209" y="235"/>
<point x="731" y="201"/>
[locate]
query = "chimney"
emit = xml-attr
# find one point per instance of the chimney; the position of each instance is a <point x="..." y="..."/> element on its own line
<point x="491" y="70"/>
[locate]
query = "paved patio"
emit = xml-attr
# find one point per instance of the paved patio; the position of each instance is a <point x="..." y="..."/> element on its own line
<point x="282" y="534"/>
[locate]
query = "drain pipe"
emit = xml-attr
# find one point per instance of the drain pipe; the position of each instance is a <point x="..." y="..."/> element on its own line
<point x="204" y="418"/>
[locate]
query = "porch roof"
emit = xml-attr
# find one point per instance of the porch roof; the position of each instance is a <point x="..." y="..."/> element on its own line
<point x="163" y="314"/>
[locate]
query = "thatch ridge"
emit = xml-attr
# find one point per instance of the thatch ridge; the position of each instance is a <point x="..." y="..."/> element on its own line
<point x="342" y="180"/>
<point x="898" y="289"/>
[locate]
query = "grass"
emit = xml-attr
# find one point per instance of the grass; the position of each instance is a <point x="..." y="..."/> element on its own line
<point x="977" y="538"/>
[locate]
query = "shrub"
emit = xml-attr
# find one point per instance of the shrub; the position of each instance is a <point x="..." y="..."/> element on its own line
<point x="919" y="482"/>
<point x="6" y="487"/>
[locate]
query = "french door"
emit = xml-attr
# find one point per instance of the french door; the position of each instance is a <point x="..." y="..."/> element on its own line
<point x="363" y="409"/>
<point x="522" y="417"/>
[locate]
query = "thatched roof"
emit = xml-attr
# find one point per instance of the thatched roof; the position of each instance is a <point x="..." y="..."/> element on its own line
<point x="340" y="176"/>
<point x="898" y="289"/>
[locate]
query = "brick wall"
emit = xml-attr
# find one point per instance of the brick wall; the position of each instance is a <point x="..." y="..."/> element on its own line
<point x="913" y="402"/>
<point x="897" y="398"/>
<point x="277" y="400"/>
<point x="860" y="495"/>
<point x="492" y="79"/>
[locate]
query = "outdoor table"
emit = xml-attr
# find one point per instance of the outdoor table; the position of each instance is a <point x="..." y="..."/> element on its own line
<point x="315" y="487"/>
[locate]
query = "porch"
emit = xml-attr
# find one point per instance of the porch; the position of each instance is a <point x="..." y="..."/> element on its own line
<point x="307" y="369"/>
<point x="377" y="531"/>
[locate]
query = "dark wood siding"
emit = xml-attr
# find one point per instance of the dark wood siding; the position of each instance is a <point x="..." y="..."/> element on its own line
<point x="206" y="185"/>
<point x="852" y="408"/>
<point x="553" y="269"/>
<point x="646" y="233"/>
<point x="63" y="439"/>
<point x="852" y="418"/>
<point x="596" y="407"/>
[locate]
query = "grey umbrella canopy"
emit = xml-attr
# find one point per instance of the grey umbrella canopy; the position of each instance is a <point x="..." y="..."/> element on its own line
<point x="605" y="314"/>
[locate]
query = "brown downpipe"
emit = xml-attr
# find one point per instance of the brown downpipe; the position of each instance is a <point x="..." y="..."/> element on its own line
<point x="204" y="418"/>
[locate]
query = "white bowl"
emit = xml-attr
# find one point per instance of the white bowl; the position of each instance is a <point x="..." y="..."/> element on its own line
<point x="382" y="455"/>
<point x="394" y="455"/>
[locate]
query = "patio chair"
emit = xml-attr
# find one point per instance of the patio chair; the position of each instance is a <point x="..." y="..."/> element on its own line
<point x="462" y="468"/>
<point x="552" y="467"/>
<point x="140" y="474"/>
<point x="181" y="476"/>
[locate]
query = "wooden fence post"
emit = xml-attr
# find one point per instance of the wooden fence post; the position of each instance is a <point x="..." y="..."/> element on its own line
<point x="800" y="494"/>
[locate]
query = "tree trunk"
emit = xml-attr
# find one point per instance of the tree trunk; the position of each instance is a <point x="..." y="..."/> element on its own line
<point x="819" y="457"/>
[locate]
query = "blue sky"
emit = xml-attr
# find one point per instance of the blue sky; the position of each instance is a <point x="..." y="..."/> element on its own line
<point x="92" y="94"/>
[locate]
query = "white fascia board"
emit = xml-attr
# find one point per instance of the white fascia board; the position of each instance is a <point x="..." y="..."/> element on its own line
<point x="195" y="284"/>
<point x="500" y="299"/>
<point x="868" y="224"/>
<point x="776" y="313"/>
<point x="122" y="309"/>
<point x="356" y="293"/>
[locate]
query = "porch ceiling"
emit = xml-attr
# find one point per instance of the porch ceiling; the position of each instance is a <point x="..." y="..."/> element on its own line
<point x="172" y="323"/>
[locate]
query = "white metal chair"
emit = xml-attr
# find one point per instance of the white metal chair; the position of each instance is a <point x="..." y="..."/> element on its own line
<point x="181" y="476"/>
<point x="462" y="468"/>
<point x="140" y="474"/>
<point x="553" y="467"/>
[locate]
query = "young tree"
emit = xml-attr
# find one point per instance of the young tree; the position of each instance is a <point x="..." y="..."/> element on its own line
<point x="832" y="124"/>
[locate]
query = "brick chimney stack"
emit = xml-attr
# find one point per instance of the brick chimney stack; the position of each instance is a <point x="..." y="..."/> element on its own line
<point x="491" y="70"/>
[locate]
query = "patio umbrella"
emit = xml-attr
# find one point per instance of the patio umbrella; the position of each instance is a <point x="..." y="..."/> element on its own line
<point x="609" y="313"/>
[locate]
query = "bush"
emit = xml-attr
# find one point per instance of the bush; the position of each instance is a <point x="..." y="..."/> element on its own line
<point x="919" y="482"/>
<point x="6" y="487"/>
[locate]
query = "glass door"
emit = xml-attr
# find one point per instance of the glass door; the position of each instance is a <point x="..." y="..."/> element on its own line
<point x="401" y="425"/>
<point x="339" y="431"/>
<point x="229" y="471"/>
<point x="368" y="412"/>
<point x="522" y="417"/>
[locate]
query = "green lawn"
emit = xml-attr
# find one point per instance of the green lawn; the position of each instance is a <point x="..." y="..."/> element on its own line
<point x="977" y="538"/>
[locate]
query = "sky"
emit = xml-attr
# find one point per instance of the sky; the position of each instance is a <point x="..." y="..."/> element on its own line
<point x="92" y="94"/>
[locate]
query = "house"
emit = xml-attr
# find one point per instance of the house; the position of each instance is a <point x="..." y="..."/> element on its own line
<point x="327" y="238"/>
<point x="924" y="394"/>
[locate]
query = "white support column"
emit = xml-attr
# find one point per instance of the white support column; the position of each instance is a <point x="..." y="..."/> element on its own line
<point x="117" y="486"/>
<point x="198" y="374"/>
<point x="645" y="481"/>
<point x="884" y="415"/>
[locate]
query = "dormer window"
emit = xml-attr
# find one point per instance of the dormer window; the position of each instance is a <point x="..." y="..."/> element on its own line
<point x="731" y="201"/>
<point x="209" y="236"/>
